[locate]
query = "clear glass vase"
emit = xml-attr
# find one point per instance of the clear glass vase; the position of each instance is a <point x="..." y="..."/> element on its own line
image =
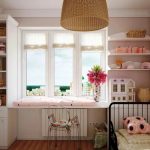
<point x="97" y="92"/>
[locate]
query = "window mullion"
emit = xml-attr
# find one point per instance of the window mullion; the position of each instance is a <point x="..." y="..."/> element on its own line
<point x="46" y="66"/>
<point x="74" y="86"/>
<point x="24" y="70"/>
<point x="51" y="65"/>
<point x="78" y="66"/>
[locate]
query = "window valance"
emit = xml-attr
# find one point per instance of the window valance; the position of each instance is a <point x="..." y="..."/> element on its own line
<point x="91" y="41"/>
<point x="35" y="41"/>
<point x="63" y="40"/>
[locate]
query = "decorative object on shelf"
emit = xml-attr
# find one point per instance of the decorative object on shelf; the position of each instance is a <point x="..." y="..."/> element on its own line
<point x="131" y="65"/>
<point x="122" y="36"/>
<point x="85" y="15"/>
<point x="2" y="30"/>
<point x="144" y="94"/>
<point x="2" y="83"/>
<point x="114" y="66"/>
<point x="3" y="99"/>
<point x="119" y="63"/>
<point x="136" y="34"/>
<point x="2" y="48"/>
<point x="145" y="65"/>
<point x="97" y="77"/>
<point x="0" y="102"/>
<point x="122" y="90"/>
<point x="146" y="50"/>
<point x="129" y="50"/>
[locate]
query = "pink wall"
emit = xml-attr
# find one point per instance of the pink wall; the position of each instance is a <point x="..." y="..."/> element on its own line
<point x="125" y="24"/>
<point x="116" y="25"/>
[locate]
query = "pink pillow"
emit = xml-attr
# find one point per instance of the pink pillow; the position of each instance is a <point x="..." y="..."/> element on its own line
<point x="138" y="126"/>
<point x="132" y="127"/>
<point x="128" y="120"/>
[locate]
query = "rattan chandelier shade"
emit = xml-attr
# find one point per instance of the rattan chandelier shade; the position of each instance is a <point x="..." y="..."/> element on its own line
<point x="84" y="15"/>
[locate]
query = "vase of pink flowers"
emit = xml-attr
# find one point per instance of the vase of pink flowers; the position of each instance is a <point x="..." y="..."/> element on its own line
<point x="96" y="76"/>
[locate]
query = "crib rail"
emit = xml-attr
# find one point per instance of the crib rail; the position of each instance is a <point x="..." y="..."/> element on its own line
<point x="120" y="110"/>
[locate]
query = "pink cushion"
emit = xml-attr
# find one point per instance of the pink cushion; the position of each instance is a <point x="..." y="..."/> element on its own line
<point x="136" y="125"/>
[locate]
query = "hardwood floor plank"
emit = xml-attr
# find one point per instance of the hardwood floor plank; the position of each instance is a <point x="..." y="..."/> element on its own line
<point x="43" y="145"/>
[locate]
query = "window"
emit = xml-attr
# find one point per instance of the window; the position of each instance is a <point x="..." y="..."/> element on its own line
<point x="35" y="47"/>
<point x="63" y="71"/>
<point x="92" y="54"/>
<point x="56" y="63"/>
<point x="63" y="46"/>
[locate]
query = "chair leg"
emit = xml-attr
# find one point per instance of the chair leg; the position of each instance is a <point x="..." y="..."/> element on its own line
<point x="55" y="137"/>
<point x="79" y="137"/>
<point x="48" y="138"/>
<point x="68" y="134"/>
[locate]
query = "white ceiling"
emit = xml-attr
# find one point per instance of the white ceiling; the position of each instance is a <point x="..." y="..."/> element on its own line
<point x="56" y="4"/>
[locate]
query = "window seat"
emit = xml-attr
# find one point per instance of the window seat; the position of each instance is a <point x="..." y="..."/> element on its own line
<point x="54" y="101"/>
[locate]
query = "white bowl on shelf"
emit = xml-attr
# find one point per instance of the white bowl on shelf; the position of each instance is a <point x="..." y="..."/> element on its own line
<point x="114" y="66"/>
<point x="137" y="65"/>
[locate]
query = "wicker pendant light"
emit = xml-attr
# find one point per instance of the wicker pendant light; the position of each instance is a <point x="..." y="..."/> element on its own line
<point x="84" y="15"/>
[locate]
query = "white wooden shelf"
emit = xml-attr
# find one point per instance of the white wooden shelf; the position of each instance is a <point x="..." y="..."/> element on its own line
<point x="129" y="39"/>
<point x="129" y="54"/>
<point x="3" y="55"/>
<point x="129" y="70"/>
<point x="122" y="37"/>
<point x="2" y="37"/>
<point x="3" y="88"/>
<point x="2" y="70"/>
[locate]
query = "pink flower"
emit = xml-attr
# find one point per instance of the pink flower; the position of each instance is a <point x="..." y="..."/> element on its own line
<point x="97" y="77"/>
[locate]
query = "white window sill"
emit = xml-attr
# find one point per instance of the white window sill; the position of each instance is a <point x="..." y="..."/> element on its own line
<point x="59" y="102"/>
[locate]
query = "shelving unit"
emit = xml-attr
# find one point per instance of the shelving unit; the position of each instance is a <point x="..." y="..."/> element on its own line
<point x="8" y="88"/>
<point x="3" y="68"/>
<point x="140" y="76"/>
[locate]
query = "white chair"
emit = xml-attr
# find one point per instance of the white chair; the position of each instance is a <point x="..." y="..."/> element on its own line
<point x="62" y="125"/>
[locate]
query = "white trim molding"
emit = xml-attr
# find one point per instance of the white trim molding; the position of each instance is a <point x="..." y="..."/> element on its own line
<point x="25" y="13"/>
<point x="1" y="10"/>
<point x="129" y="12"/>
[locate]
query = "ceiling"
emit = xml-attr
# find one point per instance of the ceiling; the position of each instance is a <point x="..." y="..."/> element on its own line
<point x="56" y="4"/>
<point x="52" y="8"/>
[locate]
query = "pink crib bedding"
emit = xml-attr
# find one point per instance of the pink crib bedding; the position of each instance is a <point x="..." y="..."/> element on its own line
<point x="54" y="101"/>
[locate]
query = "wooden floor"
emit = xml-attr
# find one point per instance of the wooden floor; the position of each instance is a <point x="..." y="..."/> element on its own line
<point x="43" y="145"/>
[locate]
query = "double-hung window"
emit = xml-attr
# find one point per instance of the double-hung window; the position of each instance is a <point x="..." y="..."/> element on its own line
<point x="63" y="49"/>
<point x="56" y="63"/>
<point x="35" y="49"/>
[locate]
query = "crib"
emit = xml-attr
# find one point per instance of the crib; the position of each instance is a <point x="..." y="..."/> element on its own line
<point x="120" y="110"/>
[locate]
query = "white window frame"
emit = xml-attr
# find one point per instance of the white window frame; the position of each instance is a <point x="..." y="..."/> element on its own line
<point x="50" y="60"/>
<point x="24" y="64"/>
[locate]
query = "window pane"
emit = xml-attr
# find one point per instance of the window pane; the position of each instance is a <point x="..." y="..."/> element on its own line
<point x="36" y="72"/>
<point x="63" y="71"/>
<point x="63" y="38"/>
<point x="91" y="39"/>
<point x="88" y="60"/>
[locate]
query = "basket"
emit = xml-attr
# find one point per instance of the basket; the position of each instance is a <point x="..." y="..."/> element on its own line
<point x="2" y="83"/>
<point x="2" y="31"/>
<point x="3" y="99"/>
<point x="136" y="34"/>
